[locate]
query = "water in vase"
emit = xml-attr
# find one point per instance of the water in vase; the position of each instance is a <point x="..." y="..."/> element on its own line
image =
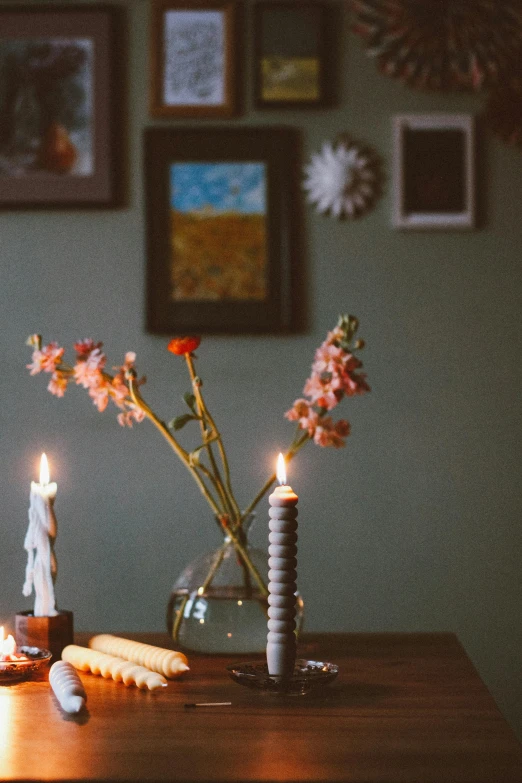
<point x="220" y="621"/>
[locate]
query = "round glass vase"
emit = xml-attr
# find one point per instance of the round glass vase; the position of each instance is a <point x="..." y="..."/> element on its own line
<point x="217" y="605"/>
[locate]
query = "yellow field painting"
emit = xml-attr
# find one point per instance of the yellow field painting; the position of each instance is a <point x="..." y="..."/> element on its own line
<point x="218" y="255"/>
<point x="290" y="78"/>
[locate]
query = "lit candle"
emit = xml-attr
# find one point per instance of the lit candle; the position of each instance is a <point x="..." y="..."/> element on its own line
<point x="39" y="542"/>
<point x="281" y="641"/>
<point x="8" y="648"/>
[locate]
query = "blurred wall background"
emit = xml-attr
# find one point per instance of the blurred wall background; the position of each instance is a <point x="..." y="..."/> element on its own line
<point x="415" y="526"/>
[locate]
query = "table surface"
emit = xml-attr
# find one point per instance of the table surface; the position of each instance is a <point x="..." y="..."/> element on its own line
<point x="405" y="707"/>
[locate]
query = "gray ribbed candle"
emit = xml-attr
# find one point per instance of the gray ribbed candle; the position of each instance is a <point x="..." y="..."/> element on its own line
<point x="281" y="641"/>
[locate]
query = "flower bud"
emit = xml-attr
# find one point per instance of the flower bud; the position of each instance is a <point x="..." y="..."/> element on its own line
<point x="34" y="341"/>
<point x="182" y="345"/>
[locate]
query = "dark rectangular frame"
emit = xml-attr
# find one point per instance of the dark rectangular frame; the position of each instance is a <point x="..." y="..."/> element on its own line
<point x="105" y="188"/>
<point x="279" y="149"/>
<point x="229" y="107"/>
<point x="325" y="52"/>
<point x="407" y="166"/>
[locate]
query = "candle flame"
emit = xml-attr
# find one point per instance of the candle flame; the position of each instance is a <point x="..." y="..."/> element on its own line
<point x="281" y="470"/>
<point x="7" y="646"/>
<point x="44" y="470"/>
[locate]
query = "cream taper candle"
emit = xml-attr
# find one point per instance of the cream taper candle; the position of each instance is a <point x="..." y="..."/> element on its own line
<point x="111" y="666"/>
<point x="167" y="662"/>
<point x="281" y="641"/>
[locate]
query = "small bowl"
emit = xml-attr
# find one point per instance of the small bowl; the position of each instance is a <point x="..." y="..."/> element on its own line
<point x="307" y="676"/>
<point x="37" y="658"/>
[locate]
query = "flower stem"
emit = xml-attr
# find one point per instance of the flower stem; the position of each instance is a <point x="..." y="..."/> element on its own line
<point x="180" y="451"/>
<point x="205" y="414"/>
<point x="179" y="618"/>
<point x="292" y="451"/>
<point x="204" y="422"/>
<point x="242" y="552"/>
<point x="213" y="568"/>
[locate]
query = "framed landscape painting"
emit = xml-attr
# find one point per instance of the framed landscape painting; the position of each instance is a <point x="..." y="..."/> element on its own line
<point x="193" y="58"/>
<point x="433" y="171"/>
<point x="291" y="55"/>
<point x="60" y="124"/>
<point x="220" y="229"/>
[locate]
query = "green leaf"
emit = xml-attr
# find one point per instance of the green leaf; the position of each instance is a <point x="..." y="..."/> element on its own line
<point x="191" y="401"/>
<point x="349" y="324"/>
<point x="179" y="421"/>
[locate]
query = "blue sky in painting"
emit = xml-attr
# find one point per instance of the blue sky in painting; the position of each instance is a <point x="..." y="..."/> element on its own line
<point x="237" y="187"/>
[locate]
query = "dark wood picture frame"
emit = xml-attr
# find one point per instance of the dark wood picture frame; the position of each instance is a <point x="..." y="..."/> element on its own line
<point x="205" y="65"/>
<point x="274" y="152"/>
<point x="61" y="106"/>
<point x="292" y="54"/>
<point x="434" y="179"/>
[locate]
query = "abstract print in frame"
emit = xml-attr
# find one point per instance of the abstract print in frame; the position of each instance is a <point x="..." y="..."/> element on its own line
<point x="59" y="118"/>
<point x="221" y="229"/>
<point x="193" y="58"/>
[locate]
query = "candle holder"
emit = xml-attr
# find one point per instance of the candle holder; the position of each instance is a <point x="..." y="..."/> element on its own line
<point x="51" y="633"/>
<point x="306" y="676"/>
<point x="35" y="658"/>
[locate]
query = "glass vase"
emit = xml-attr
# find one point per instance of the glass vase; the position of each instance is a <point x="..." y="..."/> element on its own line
<point x="217" y="604"/>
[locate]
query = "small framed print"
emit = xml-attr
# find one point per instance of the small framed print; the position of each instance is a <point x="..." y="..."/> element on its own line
<point x="193" y="58"/>
<point x="221" y="229"/>
<point x="291" y="54"/>
<point x="434" y="171"/>
<point x="60" y="106"/>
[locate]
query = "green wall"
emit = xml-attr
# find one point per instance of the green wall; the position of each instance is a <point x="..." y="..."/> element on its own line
<point x="415" y="526"/>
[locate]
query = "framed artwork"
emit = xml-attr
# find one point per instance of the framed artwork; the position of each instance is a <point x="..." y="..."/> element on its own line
<point x="290" y="54"/>
<point x="60" y="106"/>
<point x="221" y="229"/>
<point x="193" y="58"/>
<point x="433" y="171"/>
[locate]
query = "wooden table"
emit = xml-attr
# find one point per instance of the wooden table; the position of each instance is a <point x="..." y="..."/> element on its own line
<point x="405" y="707"/>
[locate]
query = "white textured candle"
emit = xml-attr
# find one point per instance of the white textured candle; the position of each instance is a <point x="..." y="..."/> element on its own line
<point x="41" y="567"/>
<point x="67" y="686"/>
<point x="281" y="641"/>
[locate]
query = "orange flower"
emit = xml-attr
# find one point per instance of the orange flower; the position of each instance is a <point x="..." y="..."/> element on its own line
<point x="183" y="345"/>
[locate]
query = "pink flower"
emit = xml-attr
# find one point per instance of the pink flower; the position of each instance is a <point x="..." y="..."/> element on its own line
<point x="84" y="347"/>
<point x="335" y="336"/>
<point x="119" y="390"/>
<point x="310" y="423"/>
<point x="88" y="371"/>
<point x="314" y="387"/>
<point x="355" y="383"/>
<point x="131" y="414"/>
<point x="328" y="401"/>
<point x="58" y="383"/>
<point x="329" y="434"/>
<point x="46" y="359"/>
<point x="99" y="393"/>
<point x="327" y="358"/>
<point x="303" y="412"/>
<point x="299" y="410"/>
<point x="324" y="391"/>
